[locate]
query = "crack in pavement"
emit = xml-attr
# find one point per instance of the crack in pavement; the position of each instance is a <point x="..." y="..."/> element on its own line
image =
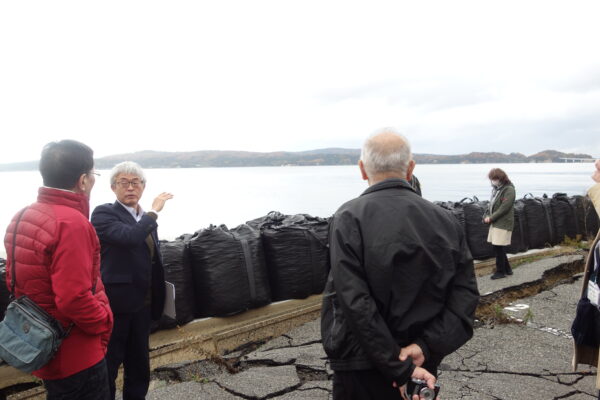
<point x="570" y="394"/>
<point x="293" y="346"/>
<point x="269" y="396"/>
<point x="578" y="375"/>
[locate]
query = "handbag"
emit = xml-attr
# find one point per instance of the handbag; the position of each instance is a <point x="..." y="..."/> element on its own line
<point x="29" y="336"/>
<point x="586" y="325"/>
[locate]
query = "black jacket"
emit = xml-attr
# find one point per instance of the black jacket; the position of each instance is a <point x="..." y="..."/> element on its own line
<point x="128" y="273"/>
<point x="401" y="273"/>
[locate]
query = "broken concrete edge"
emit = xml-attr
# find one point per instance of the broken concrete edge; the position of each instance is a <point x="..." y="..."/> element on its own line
<point x="209" y="337"/>
<point x="490" y="310"/>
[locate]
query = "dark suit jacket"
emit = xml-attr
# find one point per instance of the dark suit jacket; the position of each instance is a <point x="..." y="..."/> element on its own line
<point x="127" y="269"/>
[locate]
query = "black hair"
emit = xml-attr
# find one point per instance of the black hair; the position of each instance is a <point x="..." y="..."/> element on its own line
<point x="63" y="162"/>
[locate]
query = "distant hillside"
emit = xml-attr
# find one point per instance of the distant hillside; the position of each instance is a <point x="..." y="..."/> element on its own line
<point x="215" y="158"/>
<point x="330" y="156"/>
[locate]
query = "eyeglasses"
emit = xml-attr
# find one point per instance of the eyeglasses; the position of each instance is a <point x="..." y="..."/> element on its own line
<point x="93" y="173"/>
<point x="124" y="183"/>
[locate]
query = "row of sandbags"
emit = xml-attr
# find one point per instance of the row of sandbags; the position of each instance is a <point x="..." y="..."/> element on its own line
<point x="539" y="222"/>
<point x="219" y="271"/>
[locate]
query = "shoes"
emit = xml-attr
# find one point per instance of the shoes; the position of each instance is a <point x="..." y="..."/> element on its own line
<point x="498" y="275"/>
<point x="509" y="272"/>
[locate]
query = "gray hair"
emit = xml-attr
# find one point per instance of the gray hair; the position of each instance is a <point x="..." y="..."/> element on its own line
<point x="386" y="150"/>
<point x="126" y="167"/>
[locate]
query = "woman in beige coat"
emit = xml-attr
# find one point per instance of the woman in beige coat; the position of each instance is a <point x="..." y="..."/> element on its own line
<point x="585" y="354"/>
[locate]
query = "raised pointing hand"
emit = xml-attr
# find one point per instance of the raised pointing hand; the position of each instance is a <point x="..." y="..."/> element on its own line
<point x="160" y="200"/>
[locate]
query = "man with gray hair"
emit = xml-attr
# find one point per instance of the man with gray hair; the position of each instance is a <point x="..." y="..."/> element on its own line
<point x="401" y="293"/>
<point x="132" y="272"/>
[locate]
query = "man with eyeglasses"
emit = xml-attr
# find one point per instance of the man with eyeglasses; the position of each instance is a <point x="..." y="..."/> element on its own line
<point x="56" y="257"/>
<point x="132" y="272"/>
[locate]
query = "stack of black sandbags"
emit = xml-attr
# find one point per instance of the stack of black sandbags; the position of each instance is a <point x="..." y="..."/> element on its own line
<point x="297" y="253"/>
<point x="229" y="271"/>
<point x="476" y="230"/>
<point x="178" y="271"/>
<point x="539" y="222"/>
<point x="538" y="218"/>
<point x="4" y="293"/>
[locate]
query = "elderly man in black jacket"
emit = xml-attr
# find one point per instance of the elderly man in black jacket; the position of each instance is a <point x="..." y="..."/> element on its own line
<point x="133" y="275"/>
<point x="401" y="293"/>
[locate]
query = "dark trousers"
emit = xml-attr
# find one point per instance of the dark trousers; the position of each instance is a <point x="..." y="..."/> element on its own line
<point x="89" y="384"/>
<point x="502" y="264"/>
<point x="363" y="385"/>
<point x="128" y="345"/>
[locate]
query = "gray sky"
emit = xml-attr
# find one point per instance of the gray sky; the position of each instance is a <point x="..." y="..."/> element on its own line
<point x="454" y="76"/>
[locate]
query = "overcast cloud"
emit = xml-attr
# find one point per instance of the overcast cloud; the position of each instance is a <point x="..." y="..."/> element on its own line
<point x="454" y="76"/>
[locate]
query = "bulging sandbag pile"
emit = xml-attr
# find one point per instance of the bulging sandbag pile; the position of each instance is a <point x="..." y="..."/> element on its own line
<point x="221" y="272"/>
<point x="178" y="271"/>
<point x="539" y="222"/>
<point x="297" y="254"/>
<point x="4" y="293"/>
<point x="229" y="271"/>
<point x="475" y="229"/>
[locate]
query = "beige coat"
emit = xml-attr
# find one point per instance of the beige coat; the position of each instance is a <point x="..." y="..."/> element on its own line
<point x="584" y="354"/>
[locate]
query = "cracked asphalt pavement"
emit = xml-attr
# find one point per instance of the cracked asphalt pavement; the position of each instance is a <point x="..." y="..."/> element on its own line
<point x="527" y="359"/>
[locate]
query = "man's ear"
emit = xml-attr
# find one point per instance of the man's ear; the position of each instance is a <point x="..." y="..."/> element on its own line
<point x="410" y="169"/>
<point x="363" y="172"/>
<point x="80" y="186"/>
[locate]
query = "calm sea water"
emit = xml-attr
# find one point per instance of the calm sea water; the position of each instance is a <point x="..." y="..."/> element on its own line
<point x="232" y="196"/>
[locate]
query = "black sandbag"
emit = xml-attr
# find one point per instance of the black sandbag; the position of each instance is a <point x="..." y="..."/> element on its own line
<point x="586" y="217"/>
<point x="578" y="204"/>
<point x="518" y="241"/>
<point x="539" y="228"/>
<point x="271" y="219"/>
<point x="178" y="271"/>
<point x="547" y="204"/>
<point x="229" y="271"/>
<point x="476" y="230"/>
<point x="456" y="209"/>
<point x="564" y="222"/>
<point x="4" y="293"/>
<point x="297" y="255"/>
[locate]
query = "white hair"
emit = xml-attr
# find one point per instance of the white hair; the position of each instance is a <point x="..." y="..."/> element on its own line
<point x="383" y="152"/>
<point x="129" y="168"/>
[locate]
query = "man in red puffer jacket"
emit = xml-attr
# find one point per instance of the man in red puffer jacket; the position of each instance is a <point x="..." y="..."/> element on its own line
<point x="57" y="257"/>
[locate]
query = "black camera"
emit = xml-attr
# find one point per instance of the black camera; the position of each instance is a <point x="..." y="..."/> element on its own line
<point x="418" y="386"/>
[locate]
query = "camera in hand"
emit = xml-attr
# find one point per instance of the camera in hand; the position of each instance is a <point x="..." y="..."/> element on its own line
<point x="418" y="386"/>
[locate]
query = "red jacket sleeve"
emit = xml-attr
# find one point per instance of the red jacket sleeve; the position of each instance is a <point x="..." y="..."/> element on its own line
<point x="72" y="272"/>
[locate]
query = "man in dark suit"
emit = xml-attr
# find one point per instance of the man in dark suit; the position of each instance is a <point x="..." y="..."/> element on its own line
<point x="133" y="275"/>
